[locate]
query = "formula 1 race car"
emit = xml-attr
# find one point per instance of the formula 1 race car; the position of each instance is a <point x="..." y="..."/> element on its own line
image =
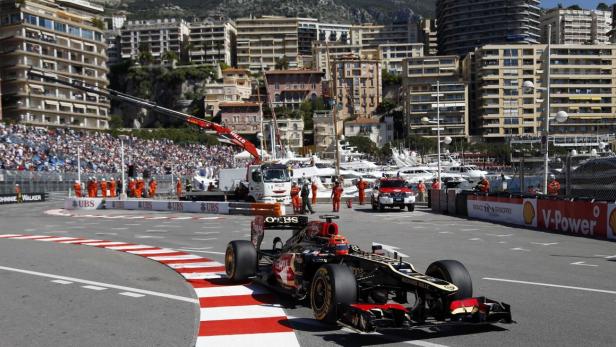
<point x="364" y="290"/>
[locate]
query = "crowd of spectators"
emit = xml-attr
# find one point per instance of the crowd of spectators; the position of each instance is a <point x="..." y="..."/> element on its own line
<point x="55" y="150"/>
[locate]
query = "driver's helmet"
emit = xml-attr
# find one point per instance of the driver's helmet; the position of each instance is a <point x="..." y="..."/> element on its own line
<point x="552" y="177"/>
<point x="339" y="244"/>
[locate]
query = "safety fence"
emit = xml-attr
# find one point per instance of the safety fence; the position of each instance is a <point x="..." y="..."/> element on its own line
<point x="208" y="207"/>
<point x="580" y="217"/>
<point x="22" y="198"/>
<point x="46" y="182"/>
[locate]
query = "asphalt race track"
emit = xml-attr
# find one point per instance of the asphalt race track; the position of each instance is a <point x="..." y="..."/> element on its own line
<point x="562" y="289"/>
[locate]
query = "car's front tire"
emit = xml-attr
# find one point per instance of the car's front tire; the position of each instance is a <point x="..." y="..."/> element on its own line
<point x="411" y="207"/>
<point x="332" y="284"/>
<point x="453" y="272"/>
<point x="240" y="260"/>
<point x="381" y="207"/>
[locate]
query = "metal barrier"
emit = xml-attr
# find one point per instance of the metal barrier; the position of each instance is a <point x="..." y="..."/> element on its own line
<point x="45" y="182"/>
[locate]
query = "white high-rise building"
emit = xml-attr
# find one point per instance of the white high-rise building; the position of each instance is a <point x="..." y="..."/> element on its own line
<point x="577" y="26"/>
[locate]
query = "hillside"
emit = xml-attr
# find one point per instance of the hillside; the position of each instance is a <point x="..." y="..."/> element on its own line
<point x="338" y="11"/>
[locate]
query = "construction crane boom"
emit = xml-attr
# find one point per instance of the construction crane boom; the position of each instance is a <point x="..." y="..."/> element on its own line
<point x="222" y="131"/>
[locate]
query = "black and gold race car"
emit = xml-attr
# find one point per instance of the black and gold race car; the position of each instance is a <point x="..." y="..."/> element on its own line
<point x="364" y="290"/>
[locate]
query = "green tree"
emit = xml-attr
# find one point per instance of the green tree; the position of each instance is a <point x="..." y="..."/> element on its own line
<point x="390" y="79"/>
<point x="602" y="6"/>
<point x="145" y="56"/>
<point x="116" y="122"/>
<point x="574" y="7"/>
<point x="364" y="145"/>
<point x="169" y="56"/>
<point x="282" y="63"/>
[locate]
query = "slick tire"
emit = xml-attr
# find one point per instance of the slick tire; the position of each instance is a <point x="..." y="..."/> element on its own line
<point x="240" y="260"/>
<point x="453" y="272"/>
<point x="411" y="207"/>
<point x="381" y="207"/>
<point x="373" y="206"/>
<point x="332" y="284"/>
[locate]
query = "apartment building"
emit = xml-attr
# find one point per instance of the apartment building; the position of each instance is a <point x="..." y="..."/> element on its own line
<point x="427" y="36"/>
<point x="289" y="88"/>
<point x="372" y="35"/>
<point x="61" y="39"/>
<point x="393" y="55"/>
<point x="357" y="86"/>
<point x="235" y="87"/>
<point x="432" y="84"/>
<point x="213" y="41"/>
<point x="324" y="55"/>
<point x="323" y="132"/>
<point x="113" y="33"/>
<point x="311" y="30"/>
<point x="466" y="24"/>
<point x="379" y="130"/>
<point x="154" y="35"/>
<point x="291" y="132"/>
<point x="266" y="41"/>
<point x="242" y="117"/>
<point x="582" y="84"/>
<point x="576" y="26"/>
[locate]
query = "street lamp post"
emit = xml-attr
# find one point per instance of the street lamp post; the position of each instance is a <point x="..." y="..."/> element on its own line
<point x="79" y="162"/>
<point x="447" y="140"/>
<point x="123" y="193"/>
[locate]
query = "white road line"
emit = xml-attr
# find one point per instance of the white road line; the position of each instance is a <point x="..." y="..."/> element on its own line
<point x="61" y="282"/>
<point x="132" y="225"/>
<point x="194" y="265"/>
<point x="202" y="275"/>
<point x="551" y="285"/>
<point x="192" y="250"/>
<point x="132" y="295"/>
<point x="108" y="243"/>
<point x="93" y="287"/>
<point x="287" y="339"/>
<point x="469" y="229"/>
<point x="56" y="239"/>
<point x="475" y="239"/>
<point x="153" y="251"/>
<point x="149" y="237"/>
<point x="181" y="218"/>
<point x="208" y="239"/>
<point x="210" y="292"/>
<point x="119" y="228"/>
<point x="80" y="240"/>
<point x="155" y="231"/>
<point x="444" y="232"/>
<point x="241" y="312"/>
<point x="114" y="234"/>
<point x="156" y="218"/>
<point x="207" y="232"/>
<point x="107" y="285"/>
<point x="123" y="248"/>
<point x="176" y="257"/>
<point x="582" y="263"/>
<point x="544" y="243"/>
<point x="520" y="249"/>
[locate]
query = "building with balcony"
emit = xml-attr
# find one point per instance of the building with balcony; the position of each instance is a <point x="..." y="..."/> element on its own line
<point x="582" y="27"/>
<point x="113" y="32"/>
<point x="213" y="41"/>
<point x="311" y="30"/>
<point x="236" y="86"/>
<point x="379" y="130"/>
<point x="291" y="132"/>
<point x="289" y="88"/>
<point x="427" y="36"/>
<point x="372" y="35"/>
<point x="155" y="36"/>
<point x="357" y="86"/>
<point x="393" y="55"/>
<point x="582" y="83"/>
<point x="60" y="39"/>
<point x="466" y="24"/>
<point x="421" y="78"/>
<point x="266" y="41"/>
<point x="242" y="117"/>
<point x="323" y="132"/>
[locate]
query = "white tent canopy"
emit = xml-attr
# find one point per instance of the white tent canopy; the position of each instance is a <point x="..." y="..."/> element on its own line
<point x="245" y="155"/>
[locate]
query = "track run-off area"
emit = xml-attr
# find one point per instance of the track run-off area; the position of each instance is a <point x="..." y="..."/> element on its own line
<point x="134" y="278"/>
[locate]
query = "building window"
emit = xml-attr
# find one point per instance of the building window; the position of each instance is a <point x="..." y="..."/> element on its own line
<point x="60" y="27"/>
<point x="30" y="19"/>
<point x="46" y="23"/>
<point x="73" y="30"/>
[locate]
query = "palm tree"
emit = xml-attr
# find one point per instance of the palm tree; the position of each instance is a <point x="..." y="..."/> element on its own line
<point x="169" y="56"/>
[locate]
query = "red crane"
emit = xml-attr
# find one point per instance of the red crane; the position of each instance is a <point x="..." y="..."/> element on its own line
<point x="222" y="131"/>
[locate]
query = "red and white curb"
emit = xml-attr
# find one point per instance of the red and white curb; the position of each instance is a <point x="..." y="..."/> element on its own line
<point x="64" y="213"/>
<point x="231" y="314"/>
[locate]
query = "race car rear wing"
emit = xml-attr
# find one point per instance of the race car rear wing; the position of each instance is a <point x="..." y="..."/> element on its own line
<point x="261" y="223"/>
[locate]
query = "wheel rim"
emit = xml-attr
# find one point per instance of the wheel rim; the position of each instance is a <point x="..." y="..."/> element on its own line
<point x="229" y="262"/>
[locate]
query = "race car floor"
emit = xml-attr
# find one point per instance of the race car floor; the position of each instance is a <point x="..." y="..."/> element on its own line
<point x="561" y="288"/>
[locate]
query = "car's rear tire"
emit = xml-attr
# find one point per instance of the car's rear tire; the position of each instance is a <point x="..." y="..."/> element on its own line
<point x="381" y="207"/>
<point x="411" y="207"/>
<point x="453" y="272"/>
<point x="240" y="260"/>
<point x="373" y="205"/>
<point x="332" y="284"/>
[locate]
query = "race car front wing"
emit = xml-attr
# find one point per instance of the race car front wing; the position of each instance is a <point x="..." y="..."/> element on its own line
<point x="371" y="317"/>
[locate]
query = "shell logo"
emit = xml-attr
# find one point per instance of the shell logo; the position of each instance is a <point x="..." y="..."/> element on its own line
<point x="528" y="212"/>
<point x="612" y="221"/>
